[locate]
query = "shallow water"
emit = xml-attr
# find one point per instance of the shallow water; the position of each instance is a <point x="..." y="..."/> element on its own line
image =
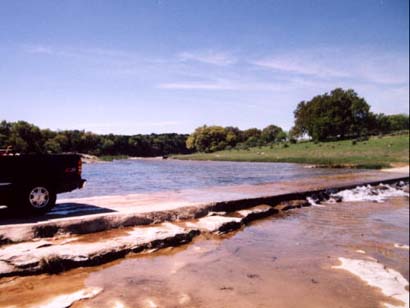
<point x="142" y="176"/>
<point x="283" y="261"/>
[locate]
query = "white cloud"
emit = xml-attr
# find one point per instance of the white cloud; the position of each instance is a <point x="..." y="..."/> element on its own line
<point x="209" y="57"/>
<point x="362" y="66"/>
<point x="106" y="62"/>
<point x="198" y="86"/>
<point x="40" y="49"/>
<point x="300" y="66"/>
<point x="78" y="52"/>
<point x="234" y="85"/>
<point x="387" y="69"/>
<point x="380" y="76"/>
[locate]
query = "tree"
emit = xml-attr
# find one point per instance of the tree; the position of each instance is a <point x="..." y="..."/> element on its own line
<point x="216" y="138"/>
<point x="207" y="139"/>
<point x="338" y="114"/>
<point x="381" y="124"/>
<point x="272" y="133"/>
<point x="52" y="146"/>
<point x="398" y="122"/>
<point x="27" y="138"/>
<point x="251" y="132"/>
<point x="233" y="135"/>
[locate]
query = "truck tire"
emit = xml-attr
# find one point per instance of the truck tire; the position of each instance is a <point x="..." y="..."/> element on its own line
<point x="37" y="199"/>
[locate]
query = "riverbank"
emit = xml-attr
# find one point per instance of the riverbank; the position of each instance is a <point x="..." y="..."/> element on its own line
<point x="375" y="153"/>
<point x="91" y="159"/>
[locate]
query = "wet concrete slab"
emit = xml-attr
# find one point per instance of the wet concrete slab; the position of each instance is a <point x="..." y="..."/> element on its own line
<point x="59" y="254"/>
<point x="87" y="215"/>
<point x="63" y="252"/>
<point x="305" y="257"/>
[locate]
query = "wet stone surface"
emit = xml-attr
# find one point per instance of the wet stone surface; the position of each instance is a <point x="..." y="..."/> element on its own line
<point x="305" y="256"/>
<point x="63" y="253"/>
<point x="97" y="214"/>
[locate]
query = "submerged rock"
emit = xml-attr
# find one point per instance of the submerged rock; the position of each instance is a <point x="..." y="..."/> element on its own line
<point x="390" y="282"/>
<point x="57" y="255"/>
<point x="292" y="204"/>
<point x="257" y="212"/>
<point x="67" y="300"/>
<point x="216" y="224"/>
<point x="53" y="256"/>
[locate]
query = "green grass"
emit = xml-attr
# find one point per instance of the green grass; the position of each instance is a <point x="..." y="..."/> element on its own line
<point x="375" y="153"/>
<point x="112" y="157"/>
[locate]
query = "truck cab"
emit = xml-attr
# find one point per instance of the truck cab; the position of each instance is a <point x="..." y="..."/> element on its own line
<point x="29" y="183"/>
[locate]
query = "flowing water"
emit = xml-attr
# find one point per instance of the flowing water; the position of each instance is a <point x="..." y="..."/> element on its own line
<point x="145" y="175"/>
<point x="287" y="260"/>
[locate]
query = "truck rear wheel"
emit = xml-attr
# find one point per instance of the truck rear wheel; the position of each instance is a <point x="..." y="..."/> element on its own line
<point x="37" y="199"/>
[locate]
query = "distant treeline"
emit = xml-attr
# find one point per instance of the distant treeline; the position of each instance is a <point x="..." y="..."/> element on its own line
<point x="215" y="138"/>
<point x="27" y="138"/>
<point x="340" y="114"/>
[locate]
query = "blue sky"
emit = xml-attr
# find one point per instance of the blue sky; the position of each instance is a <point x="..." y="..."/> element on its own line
<point x="170" y="66"/>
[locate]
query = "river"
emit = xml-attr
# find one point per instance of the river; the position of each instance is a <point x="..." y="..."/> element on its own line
<point x="147" y="175"/>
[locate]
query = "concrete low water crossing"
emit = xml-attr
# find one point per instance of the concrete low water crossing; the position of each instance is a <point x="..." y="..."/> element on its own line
<point x="345" y="254"/>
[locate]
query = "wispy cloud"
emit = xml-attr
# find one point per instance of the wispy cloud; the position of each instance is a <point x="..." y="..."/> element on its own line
<point x="79" y="52"/>
<point x="300" y="66"/>
<point x="312" y="68"/>
<point x="363" y="66"/>
<point x="187" y="85"/>
<point x="39" y="49"/>
<point x="209" y="57"/>
<point x="106" y="62"/>
<point x="233" y="85"/>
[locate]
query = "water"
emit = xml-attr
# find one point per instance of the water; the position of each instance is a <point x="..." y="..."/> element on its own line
<point x="142" y="176"/>
<point x="282" y="261"/>
<point x="369" y="193"/>
<point x="287" y="260"/>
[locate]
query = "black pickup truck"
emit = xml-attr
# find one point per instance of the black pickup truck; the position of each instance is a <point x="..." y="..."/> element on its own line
<point x="30" y="183"/>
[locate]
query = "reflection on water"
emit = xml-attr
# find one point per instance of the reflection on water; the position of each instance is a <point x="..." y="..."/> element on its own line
<point x="286" y="260"/>
<point x="141" y="176"/>
<point x="280" y="262"/>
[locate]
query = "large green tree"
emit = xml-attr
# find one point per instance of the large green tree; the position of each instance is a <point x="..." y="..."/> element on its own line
<point x="208" y="139"/>
<point x="272" y="133"/>
<point x="338" y="114"/>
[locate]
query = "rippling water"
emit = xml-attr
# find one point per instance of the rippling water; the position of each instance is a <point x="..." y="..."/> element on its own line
<point x="287" y="260"/>
<point x="283" y="261"/>
<point x="141" y="176"/>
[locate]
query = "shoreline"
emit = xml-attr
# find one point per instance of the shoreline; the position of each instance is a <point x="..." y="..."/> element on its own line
<point x="93" y="159"/>
<point x="395" y="167"/>
<point x="403" y="169"/>
<point x="374" y="153"/>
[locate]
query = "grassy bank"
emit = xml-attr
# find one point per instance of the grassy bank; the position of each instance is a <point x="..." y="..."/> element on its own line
<point x="112" y="157"/>
<point x="375" y="153"/>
